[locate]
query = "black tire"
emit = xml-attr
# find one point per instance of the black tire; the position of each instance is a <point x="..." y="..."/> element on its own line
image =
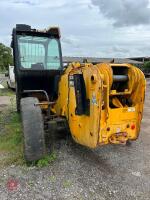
<point x="33" y="129"/>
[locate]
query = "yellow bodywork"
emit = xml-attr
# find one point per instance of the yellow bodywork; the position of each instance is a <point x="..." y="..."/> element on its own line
<point x="109" y="120"/>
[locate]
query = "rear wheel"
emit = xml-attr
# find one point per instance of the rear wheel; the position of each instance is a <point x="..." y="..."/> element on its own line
<point x="33" y="129"/>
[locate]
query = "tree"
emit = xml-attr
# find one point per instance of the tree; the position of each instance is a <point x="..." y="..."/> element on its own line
<point x="6" y="58"/>
<point x="147" y="66"/>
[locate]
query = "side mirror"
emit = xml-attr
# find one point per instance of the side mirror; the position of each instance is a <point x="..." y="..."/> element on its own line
<point x="6" y="74"/>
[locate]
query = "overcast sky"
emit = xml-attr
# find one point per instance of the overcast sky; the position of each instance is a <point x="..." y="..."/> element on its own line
<point x="100" y="28"/>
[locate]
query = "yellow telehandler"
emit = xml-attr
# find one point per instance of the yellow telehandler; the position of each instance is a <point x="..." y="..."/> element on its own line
<point x="99" y="103"/>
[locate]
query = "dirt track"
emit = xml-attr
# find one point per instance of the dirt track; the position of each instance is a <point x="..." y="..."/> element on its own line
<point x="108" y="173"/>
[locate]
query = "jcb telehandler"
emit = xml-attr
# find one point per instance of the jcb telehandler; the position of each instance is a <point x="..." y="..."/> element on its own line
<point x="99" y="103"/>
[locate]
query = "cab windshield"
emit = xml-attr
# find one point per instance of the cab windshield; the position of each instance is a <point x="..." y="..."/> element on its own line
<point x="37" y="52"/>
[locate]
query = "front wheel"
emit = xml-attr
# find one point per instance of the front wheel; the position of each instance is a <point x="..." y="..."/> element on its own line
<point x="33" y="129"/>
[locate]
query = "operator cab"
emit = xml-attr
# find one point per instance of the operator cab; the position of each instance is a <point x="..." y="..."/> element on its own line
<point x="37" y="60"/>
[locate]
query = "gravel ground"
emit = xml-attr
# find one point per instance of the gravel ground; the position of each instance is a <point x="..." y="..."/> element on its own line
<point x="111" y="172"/>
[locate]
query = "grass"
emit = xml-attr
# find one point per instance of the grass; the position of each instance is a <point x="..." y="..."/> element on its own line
<point x="6" y="92"/>
<point x="10" y="139"/>
<point x="46" y="160"/>
<point x="67" y="184"/>
<point x="52" y="179"/>
<point x="31" y="183"/>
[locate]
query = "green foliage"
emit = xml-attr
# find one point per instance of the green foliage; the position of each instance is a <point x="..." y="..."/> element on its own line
<point x="52" y="179"/>
<point x="46" y="160"/>
<point x="67" y="183"/>
<point x="6" y="92"/>
<point x="6" y="58"/>
<point x="31" y="183"/>
<point x="147" y="65"/>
